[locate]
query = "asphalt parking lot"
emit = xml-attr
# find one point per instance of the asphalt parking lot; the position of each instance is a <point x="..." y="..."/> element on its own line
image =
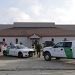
<point x="34" y="63"/>
<point x="38" y="72"/>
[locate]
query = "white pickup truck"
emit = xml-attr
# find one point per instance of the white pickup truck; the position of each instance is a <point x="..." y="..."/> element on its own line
<point x="64" y="49"/>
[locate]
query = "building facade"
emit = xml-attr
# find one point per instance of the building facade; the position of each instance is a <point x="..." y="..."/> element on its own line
<point x="27" y="33"/>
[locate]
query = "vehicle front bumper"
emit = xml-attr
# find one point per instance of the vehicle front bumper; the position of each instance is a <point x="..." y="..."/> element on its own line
<point x="25" y="54"/>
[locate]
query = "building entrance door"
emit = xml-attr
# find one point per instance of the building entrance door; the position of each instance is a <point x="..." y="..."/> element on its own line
<point x="35" y="42"/>
<point x="35" y="39"/>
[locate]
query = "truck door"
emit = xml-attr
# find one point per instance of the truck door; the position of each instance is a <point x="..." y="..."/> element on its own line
<point x="68" y="50"/>
<point x="59" y="50"/>
<point x="12" y="50"/>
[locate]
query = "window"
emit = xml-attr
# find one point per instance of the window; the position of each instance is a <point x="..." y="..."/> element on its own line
<point x="63" y="44"/>
<point x="20" y="47"/>
<point x="12" y="47"/>
<point x="48" y="43"/>
<point x="68" y="44"/>
<point x="60" y="44"/>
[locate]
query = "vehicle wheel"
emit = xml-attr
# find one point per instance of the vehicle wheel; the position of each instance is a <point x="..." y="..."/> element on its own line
<point x="20" y="55"/>
<point x="4" y="53"/>
<point x="57" y="58"/>
<point x="47" y="56"/>
<point x="30" y="54"/>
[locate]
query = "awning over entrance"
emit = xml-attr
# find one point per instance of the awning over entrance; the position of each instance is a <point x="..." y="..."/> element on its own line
<point x="34" y="36"/>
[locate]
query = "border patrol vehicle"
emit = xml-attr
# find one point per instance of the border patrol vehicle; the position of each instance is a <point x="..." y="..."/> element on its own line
<point x="64" y="49"/>
<point x="18" y="50"/>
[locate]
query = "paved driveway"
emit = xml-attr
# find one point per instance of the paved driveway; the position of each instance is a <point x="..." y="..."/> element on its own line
<point x="34" y="63"/>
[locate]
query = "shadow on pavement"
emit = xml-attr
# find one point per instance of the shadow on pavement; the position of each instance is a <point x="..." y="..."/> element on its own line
<point x="10" y="58"/>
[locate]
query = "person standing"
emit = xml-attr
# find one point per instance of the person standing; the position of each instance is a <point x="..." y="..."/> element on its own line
<point x="38" y="49"/>
<point x="52" y="42"/>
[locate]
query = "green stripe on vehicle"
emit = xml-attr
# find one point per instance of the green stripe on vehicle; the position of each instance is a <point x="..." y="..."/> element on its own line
<point x="7" y="51"/>
<point x="68" y="52"/>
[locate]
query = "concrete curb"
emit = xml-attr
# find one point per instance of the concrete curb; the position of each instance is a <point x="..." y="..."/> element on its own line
<point x="31" y="69"/>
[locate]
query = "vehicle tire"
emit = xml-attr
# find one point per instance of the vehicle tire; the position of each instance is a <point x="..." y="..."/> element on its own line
<point x="4" y="53"/>
<point x="20" y="55"/>
<point x="30" y="54"/>
<point x="47" y="56"/>
<point x="57" y="58"/>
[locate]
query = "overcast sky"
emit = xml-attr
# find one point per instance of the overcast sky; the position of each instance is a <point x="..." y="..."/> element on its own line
<point x="58" y="11"/>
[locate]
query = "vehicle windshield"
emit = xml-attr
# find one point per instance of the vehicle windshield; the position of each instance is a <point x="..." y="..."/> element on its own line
<point x="21" y="47"/>
<point x="17" y="46"/>
<point x="48" y="43"/>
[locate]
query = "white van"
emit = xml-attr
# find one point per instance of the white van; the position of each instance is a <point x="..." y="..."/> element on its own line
<point x="64" y="49"/>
